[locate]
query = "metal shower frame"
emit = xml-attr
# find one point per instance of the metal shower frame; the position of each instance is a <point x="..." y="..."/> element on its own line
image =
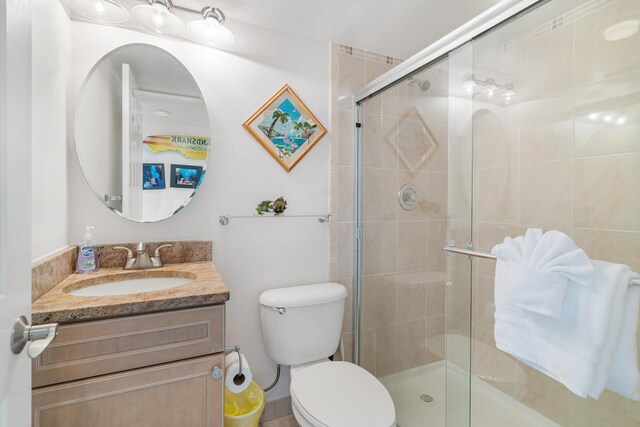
<point x="495" y="16"/>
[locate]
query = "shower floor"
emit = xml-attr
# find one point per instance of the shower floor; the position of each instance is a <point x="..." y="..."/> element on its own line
<point x="413" y="390"/>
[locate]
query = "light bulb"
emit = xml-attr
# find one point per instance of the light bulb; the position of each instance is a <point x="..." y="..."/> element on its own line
<point x="469" y="86"/>
<point x="158" y="19"/>
<point x="594" y="116"/>
<point x="607" y="118"/>
<point x="211" y="32"/>
<point x="621" y="120"/>
<point x="105" y="11"/>
<point x="99" y="6"/>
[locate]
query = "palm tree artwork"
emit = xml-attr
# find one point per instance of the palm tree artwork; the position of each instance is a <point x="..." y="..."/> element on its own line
<point x="285" y="127"/>
<point x="277" y="115"/>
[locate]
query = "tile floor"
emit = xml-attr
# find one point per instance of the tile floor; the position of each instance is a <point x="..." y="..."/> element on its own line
<point x="287" y="421"/>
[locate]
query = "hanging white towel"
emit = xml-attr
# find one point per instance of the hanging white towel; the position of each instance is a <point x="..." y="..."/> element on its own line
<point x="624" y="376"/>
<point x="569" y="348"/>
<point x="534" y="270"/>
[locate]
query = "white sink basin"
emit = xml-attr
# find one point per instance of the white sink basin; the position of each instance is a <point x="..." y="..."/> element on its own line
<point x="131" y="286"/>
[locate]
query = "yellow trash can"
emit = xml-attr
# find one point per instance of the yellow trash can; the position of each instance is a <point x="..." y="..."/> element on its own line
<point x="243" y="409"/>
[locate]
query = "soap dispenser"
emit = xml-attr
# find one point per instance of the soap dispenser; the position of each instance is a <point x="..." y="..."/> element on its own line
<point x="87" y="258"/>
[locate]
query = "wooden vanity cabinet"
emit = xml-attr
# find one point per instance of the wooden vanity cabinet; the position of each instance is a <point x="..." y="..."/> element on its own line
<point x="149" y="370"/>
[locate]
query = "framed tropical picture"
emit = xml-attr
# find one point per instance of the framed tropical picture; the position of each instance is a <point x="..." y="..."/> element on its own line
<point x="285" y="127"/>
<point x="153" y="176"/>
<point x="185" y="176"/>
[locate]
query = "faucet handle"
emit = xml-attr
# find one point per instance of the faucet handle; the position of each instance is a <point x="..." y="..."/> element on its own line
<point x="155" y="259"/>
<point x="157" y="252"/>
<point x="128" y="264"/>
<point x="122" y="248"/>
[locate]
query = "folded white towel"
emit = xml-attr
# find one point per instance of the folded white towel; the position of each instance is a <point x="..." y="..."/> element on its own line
<point x="571" y="348"/>
<point x="624" y="376"/>
<point x="533" y="271"/>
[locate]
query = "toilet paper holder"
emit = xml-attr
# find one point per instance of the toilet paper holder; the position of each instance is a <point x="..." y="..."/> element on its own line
<point x="229" y="350"/>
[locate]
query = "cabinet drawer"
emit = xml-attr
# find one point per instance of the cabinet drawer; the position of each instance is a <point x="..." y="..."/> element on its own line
<point x="89" y="349"/>
<point x="178" y="394"/>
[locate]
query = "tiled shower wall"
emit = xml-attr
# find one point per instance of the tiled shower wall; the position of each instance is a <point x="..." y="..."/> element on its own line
<point x="403" y="280"/>
<point x="351" y="69"/>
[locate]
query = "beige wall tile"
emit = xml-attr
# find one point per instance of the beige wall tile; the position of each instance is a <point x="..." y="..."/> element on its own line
<point x="389" y="102"/>
<point x="351" y="77"/>
<point x="368" y="350"/>
<point x="436" y="198"/>
<point x="434" y="326"/>
<point x="606" y="192"/>
<point x="436" y="298"/>
<point x="436" y="240"/>
<point x="379" y="198"/>
<point x="379" y="247"/>
<point x="376" y="149"/>
<point x="346" y="138"/>
<point x="412" y="245"/>
<point x="497" y="192"/>
<point x="411" y="296"/>
<point x="346" y="194"/>
<point x="345" y="255"/>
<point x="411" y="344"/>
<point x="483" y="305"/>
<point x="386" y="350"/>
<point x="375" y="69"/>
<point x="378" y="300"/>
<point x="545" y="193"/>
<point x="494" y="148"/>
<point x="613" y="246"/>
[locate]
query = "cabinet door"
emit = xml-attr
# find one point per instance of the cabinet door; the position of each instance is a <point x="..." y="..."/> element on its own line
<point x="100" y="347"/>
<point x="179" y="394"/>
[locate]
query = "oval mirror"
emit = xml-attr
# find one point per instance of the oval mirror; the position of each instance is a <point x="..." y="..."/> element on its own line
<point x="142" y="132"/>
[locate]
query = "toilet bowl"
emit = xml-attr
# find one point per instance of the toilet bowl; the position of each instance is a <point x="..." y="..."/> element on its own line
<point x="339" y="394"/>
<point x="301" y="327"/>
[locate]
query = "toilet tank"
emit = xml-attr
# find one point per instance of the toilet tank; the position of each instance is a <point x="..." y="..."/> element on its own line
<point x="302" y="324"/>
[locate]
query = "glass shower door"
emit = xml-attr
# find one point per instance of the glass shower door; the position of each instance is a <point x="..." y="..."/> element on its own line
<point x="458" y="325"/>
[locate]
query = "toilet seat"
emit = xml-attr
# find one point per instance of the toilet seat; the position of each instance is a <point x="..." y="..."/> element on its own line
<point x="341" y="394"/>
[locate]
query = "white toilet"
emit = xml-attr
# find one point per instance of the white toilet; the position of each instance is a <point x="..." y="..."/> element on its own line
<point x="301" y="327"/>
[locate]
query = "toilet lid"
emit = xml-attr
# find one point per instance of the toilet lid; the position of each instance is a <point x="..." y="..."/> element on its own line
<point x="341" y="394"/>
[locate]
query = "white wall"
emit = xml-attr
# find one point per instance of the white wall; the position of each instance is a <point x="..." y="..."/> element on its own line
<point x="50" y="69"/>
<point x="255" y="254"/>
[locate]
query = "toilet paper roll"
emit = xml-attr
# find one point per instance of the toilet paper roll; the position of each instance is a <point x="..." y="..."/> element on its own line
<point x="235" y="382"/>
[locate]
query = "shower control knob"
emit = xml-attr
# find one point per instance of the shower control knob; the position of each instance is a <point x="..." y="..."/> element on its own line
<point x="408" y="197"/>
<point x="216" y="373"/>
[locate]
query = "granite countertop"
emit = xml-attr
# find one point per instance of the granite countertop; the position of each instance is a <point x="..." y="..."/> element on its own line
<point x="207" y="288"/>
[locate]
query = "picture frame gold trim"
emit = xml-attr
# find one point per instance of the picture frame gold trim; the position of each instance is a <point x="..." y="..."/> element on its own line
<point x="268" y="145"/>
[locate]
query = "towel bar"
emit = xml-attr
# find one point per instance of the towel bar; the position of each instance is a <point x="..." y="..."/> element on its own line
<point x="476" y="254"/>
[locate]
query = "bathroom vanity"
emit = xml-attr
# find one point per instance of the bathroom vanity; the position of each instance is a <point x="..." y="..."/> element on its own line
<point x="153" y="358"/>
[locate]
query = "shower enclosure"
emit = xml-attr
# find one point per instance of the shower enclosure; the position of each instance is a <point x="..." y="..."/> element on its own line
<point x="527" y="117"/>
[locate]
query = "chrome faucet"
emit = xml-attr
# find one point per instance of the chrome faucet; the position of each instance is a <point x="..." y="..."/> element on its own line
<point x="142" y="261"/>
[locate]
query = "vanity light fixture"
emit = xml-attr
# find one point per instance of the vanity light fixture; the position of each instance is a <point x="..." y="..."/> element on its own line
<point x="105" y="11"/>
<point x="210" y="30"/>
<point x="157" y="16"/>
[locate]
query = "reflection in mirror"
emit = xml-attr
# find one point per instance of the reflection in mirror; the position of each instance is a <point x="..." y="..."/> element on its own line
<point x="142" y="133"/>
